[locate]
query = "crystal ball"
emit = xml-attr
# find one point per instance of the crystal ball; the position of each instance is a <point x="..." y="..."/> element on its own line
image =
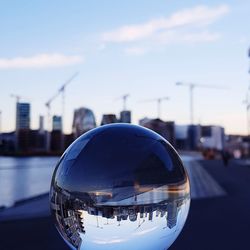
<point x="120" y="186"/>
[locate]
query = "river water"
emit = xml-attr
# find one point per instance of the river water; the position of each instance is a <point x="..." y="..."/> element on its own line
<point x="24" y="177"/>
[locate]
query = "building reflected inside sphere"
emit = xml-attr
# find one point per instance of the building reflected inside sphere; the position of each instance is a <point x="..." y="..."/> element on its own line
<point x="120" y="186"/>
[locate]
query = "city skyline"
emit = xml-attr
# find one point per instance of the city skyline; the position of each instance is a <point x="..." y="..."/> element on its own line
<point x="140" y="48"/>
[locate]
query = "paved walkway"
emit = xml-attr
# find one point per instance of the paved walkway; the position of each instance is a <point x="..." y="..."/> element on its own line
<point x="31" y="208"/>
<point x="221" y="222"/>
<point x="203" y="185"/>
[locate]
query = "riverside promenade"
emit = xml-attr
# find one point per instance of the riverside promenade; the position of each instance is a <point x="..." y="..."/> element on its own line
<point x="219" y="216"/>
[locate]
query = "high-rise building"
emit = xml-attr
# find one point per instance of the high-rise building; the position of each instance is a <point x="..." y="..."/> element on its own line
<point x="194" y="135"/>
<point x="181" y="135"/>
<point x="57" y="123"/>
<point x="172" y="214"/>
<point x="83" y="121"/>
<point x="22" y="135"/>
<point x="56" y="136"/>
<point x="188" y="137"/>
<point x="108" y="118"/>
<point x="165" y="129"/>
<point x="22" y="116"/>
<point x="213" y="137"/>
<point x="41" y="124"/>
<point x="125" y="116"/>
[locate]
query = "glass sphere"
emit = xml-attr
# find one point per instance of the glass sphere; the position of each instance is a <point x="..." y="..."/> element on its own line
<point x="120" y="186"/>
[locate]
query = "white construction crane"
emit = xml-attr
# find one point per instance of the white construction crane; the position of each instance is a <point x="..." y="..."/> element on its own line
<point x="246" y="102"/>
<point x="124" y="98"/>
<point x="62" y="92"/>
<point x="17" y="97"/>
<point x="192" y="86"/>
<point x="158" y="102"/>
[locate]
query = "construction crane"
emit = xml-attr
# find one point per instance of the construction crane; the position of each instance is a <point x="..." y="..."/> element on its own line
<point x="246" y="102"/>
<point x="17" y="97"/>
<point x="124" y="98"/>
<point x="191" y="87"/>
<point x="62" y="92"/>
<point x="158" y="102"/>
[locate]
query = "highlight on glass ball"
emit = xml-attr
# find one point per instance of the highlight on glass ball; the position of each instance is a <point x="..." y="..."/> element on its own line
<point x="120" y="186"/>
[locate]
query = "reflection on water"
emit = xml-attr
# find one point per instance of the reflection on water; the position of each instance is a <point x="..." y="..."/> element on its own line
<point x="120" y="187"/>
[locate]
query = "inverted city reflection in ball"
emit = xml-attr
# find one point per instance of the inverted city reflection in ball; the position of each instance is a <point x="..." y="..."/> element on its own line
<point x="120" y="187"/>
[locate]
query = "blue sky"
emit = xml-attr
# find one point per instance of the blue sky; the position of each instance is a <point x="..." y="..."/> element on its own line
<point x="138" y="47"/>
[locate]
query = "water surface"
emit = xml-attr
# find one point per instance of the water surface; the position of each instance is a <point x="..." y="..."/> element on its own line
<point x="24" y="177"/>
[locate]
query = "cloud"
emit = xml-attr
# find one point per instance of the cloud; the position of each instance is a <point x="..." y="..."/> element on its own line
<point x="201" y="37"/>
<point x="40" y="61"/>
<point x="199" y="16"/>
<point x="137" y="51"/>
<point x="186" y="37"/>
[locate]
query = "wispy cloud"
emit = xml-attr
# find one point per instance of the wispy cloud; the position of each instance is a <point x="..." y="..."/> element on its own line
<point x="40" y="61"/>
<point x="186" y="25"/>
<point x="186" y="37"/>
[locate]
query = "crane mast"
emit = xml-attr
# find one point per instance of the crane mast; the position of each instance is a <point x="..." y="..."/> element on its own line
<point x="191" y="87"/>
<point x="158" y="102"/>
<point x="61" y="91"/>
